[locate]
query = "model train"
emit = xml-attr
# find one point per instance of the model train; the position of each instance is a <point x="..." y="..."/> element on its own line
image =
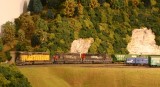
<point x="23" y="58"/>
<point x="82" y="58"/>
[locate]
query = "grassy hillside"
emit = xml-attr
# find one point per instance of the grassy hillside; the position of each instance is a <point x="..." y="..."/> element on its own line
<point x="76" y="76"/>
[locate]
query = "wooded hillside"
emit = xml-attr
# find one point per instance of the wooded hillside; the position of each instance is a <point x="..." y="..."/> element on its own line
<point x="52" y="25"/>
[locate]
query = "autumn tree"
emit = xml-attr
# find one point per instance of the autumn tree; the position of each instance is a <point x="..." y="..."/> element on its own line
<point x="21" y="35"/>
<point x="8" y="32"/>
<point x="27" y="25"/>
<point x="94" y="4"/>
<point x="80" y="8"/>
<point x="69" y="8"/>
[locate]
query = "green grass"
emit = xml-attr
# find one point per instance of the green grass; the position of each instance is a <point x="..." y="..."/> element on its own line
<point x="76" y="76"/>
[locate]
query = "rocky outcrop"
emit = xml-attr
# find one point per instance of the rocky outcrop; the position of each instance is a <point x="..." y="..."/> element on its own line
<point x="143" y="42"/>
<point x="81" y="45"/>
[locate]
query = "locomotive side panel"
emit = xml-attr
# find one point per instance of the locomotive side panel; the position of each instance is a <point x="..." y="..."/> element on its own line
<point x="72" y="58"/>
<point x="97" y="58"/>
<point x="33" y="58"/>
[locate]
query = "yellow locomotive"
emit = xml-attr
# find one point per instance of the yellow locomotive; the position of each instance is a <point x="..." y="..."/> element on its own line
<point x="23" y="58"/>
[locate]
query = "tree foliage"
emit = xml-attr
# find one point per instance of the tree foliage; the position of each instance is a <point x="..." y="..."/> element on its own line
<point x="27" y="24"/>
<point x="35" y="6"/>
<point x="8" y="31"/>
<point x="69" y="8"/>
<point x="94" y="4"/>
<point x="41" y="24"/>
<point x="35" y="41"/>
<point x="109" y="22"/>
<point x="10" y="76"/>
<point x="21" y="35"/>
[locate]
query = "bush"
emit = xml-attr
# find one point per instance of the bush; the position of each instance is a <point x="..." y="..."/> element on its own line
<point x="10" y="76"/>
<point x="8" y="55"/>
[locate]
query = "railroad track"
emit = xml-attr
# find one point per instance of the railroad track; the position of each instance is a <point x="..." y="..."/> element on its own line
<point x="86" y="65"/>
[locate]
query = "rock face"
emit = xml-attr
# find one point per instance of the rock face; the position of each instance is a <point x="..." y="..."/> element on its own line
<point x="143" y="42"/>
<point x="81" y="45"/>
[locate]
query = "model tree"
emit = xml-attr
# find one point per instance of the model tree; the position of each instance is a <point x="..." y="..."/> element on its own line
<point x="35" y="6"/>
<point x="8" y="32"/>
<point x="69" y="8"/>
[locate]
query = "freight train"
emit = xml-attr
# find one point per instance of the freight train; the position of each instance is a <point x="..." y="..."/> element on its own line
<point x="23" y="58"/>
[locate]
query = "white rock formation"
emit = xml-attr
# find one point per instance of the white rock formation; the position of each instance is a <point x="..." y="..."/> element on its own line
<point x="143" y="42"/>
<point x="81" y="45"/>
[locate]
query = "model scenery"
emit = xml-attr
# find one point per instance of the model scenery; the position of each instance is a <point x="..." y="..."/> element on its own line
<point x="80" y="32"/>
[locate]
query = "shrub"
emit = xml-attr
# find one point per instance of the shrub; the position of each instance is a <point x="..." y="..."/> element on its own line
<point x="11" y="77"/>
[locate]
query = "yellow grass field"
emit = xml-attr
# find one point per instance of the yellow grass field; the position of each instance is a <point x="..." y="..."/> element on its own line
<point x="91" y="76"/>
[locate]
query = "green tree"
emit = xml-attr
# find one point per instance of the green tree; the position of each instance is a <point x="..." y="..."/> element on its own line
<point x="54" y="3"/>
<point x="35" y="6"/>
<point x="21" y="46"/>
<point x="3" y="81"/>
<point x="8" y="32"/>
<point x="43" y="36"/>
<point x="101" y="2"/>
<point x="50" y="14"/>
<point x="41" y="24"/>
<point x="118" y="4"/>
<point x="35" y="41"/>
<point x="10" y="76"/>
<point x="95" y="45"/>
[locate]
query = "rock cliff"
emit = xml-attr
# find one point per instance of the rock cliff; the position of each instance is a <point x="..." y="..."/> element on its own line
<point x="143" y="42"/>
<point x="81" y="45"/>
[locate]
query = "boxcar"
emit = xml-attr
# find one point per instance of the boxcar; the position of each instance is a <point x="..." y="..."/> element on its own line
<point x="23" y="58"/>
<point x="130" y="61"/>
<point x="118" y="57"/>
<point x="154" y="60"/>
<point x="137" y="59"/>
<point x="122" y="57"/>
<point x="141" y="61"/>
